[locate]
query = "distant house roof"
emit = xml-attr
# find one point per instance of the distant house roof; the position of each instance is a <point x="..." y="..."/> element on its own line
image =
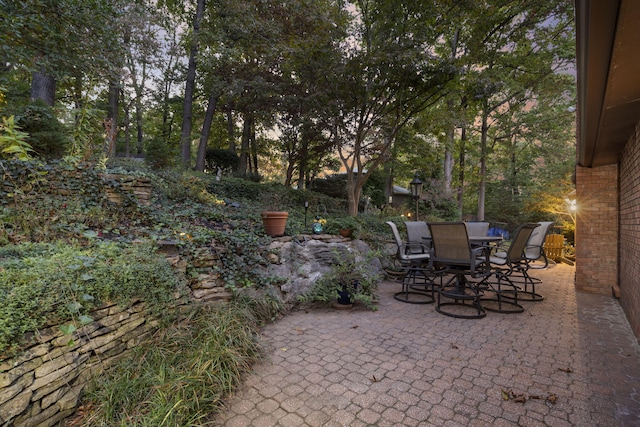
<point x="401" y="190"/>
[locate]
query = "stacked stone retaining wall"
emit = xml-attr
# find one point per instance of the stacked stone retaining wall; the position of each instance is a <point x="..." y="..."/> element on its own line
<point x="42" y="385"/>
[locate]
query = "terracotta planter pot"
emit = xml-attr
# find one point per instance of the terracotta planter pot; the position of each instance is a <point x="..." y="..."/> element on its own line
<point x="344" y="232"/>
<point x="274" y="222"/>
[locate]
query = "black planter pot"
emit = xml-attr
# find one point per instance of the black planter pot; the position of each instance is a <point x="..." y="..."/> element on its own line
<point x="344" y="297"/>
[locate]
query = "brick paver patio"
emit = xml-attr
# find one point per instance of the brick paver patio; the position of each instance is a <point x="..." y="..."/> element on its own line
<point x="570" y="360"/>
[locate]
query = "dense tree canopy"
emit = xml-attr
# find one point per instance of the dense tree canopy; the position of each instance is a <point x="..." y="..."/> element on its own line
<point x="475" y="95"/>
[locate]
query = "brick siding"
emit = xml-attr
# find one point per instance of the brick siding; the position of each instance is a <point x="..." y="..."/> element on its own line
<point x="629" y="280"/>
<point x="597" y="229"/>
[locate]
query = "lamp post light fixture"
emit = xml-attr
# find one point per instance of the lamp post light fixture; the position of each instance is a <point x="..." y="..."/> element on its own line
<point x="416" y="191"/>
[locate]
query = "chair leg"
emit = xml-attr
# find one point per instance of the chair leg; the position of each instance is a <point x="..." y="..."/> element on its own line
<point x="418" y="287"/>
<point x="505" y="300"/>
<point x="526" y="286"/>
<point x="462" y="299"/>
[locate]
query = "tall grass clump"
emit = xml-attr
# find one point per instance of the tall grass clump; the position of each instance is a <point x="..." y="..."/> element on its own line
<point x="181" y="377"/>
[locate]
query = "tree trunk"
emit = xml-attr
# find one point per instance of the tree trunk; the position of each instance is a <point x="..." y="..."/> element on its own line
<point x="43" y="86"/>
<point x="448" y="153"/>
<point x="253" y="143"/>
<point x="187" y="111"/>
<point x="206" y="129"/>
<point x="483" y="166"/>
<point x="139" y="133"/>
<point x="127" y="130"/>
<point x="112" y="117"/>
<point x="304" y="159"/>
<point x="461" y="164"/>
<point x="244" y="145"/>
<point x="231" y="130"/>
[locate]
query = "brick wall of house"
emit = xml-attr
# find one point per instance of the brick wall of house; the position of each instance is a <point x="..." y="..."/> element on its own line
<point x="630" y="231"/>
<point x="597" y="229"/>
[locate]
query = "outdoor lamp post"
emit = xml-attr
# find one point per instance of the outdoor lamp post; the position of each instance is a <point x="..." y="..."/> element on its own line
<point x="416" y="191"/>
<point x="306" y="208"/>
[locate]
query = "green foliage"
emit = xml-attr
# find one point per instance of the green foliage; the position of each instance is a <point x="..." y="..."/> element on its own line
<point x="345" y="222"/>
<point x="47" y="135"/>
<point x="13" y="142"/>
<point x="43" y="283"/>
<point x="182" y="376"/>
<point x="45" y="202"/>
<point x="87" y="136"/>
<point x="158" y="154"/>
<point x="348" y="273"/>
<point x="223" y="159"/>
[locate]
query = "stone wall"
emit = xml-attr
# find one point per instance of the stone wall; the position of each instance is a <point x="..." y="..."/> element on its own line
<point x="140" y="187"/>
<point x="42" y="385"/>
<point x="630" y="231"/>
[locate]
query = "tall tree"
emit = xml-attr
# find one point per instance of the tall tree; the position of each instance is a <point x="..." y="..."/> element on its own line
<point x="387" y="77"/>
<point x="512" y="47"/>
<point x="50" y="39"/>
<point x="187" y="111"/>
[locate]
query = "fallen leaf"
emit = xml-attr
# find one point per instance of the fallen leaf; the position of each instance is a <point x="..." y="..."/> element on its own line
<point x="505" y="395"/>
<point x="567" y="370"/>
<point x="521" y="398"/>
<point x="374" y="379"/>
<point x="354" y="327"/>
<point x="283" y="349"/>
<point x="552" y="398"/>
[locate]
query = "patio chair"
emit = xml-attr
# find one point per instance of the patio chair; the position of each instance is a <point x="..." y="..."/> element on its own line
<point x="418" y="285"/>
<point x="452" y="254"/>
<point x="553" y="245"/>
<point x="418" y="232"/>
<point x="477" y="228"/>
<point x="520" y="275"/>
<point x="505" y="262"/>
<point x="534" y="250"/>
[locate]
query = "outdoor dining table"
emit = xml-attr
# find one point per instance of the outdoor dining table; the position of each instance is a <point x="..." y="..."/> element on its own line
<point x="483" y="240"/>
<point x="475" y="240"/>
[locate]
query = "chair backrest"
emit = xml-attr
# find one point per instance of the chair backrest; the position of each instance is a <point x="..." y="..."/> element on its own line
<point x="516" y="252"/>
<point x="418" y="236"/>
<point x="534" y="249"/>
<point x="406" y="252"/>
<point x="477" y="228"/>
<point x="450" y="242"/>
<point x="396" y="234"/>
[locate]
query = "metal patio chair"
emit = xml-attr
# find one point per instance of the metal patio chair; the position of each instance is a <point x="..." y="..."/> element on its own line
<point x="507" y="262"/>
<point x="418" y="285"/>
<point x="533" y="254"/>
<point x="418" y="232"/>
<point x="452" y="254"/>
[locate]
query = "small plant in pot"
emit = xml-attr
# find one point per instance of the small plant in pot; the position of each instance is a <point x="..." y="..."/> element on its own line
<point x="346" y="226"/>
<point x="351" y="279"/>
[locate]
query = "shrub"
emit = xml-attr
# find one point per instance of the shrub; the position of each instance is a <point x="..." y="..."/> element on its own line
<point x="223" y="159"/>
<point x="348" y="273"/>
<point x="181" y="378"/>
<point x="44" y="283"/>
<point x="47" y="135"/>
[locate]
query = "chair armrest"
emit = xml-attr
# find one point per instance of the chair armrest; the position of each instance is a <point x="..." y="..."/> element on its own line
<point x="480" y="257"/>
<point x="542" y="255"/>
<point x="415" y="248"/>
